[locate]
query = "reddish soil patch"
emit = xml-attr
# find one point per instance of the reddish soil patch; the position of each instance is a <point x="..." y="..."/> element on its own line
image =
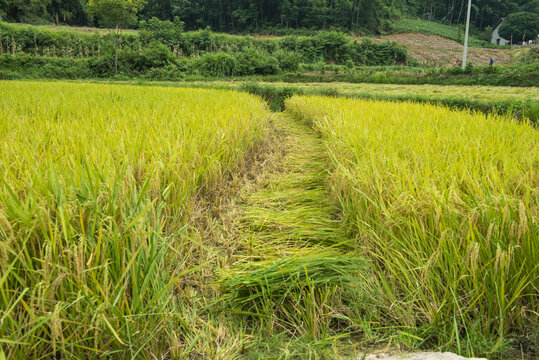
<point x="435" y="50"/>
<point x="264" y="36"/>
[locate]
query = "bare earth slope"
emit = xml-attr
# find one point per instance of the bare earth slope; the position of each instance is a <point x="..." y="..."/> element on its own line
<point x="436" y="50"/>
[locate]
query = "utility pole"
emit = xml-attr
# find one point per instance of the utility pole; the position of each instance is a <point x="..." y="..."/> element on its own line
<point x="466" y="35"/>
<point x="116" y="35"/>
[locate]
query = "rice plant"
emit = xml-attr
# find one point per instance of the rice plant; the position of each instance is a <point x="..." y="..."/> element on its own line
<point x="490" y="94"/>
<point x="97" y="184"/>
<point x="292" y="280"/>
<point x="446" y="204"/>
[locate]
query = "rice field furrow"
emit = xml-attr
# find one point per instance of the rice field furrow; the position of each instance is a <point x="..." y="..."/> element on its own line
<point x="295" y="255"/>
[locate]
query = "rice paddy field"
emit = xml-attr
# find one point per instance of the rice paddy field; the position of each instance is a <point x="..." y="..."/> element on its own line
<point x="97" y="189"/>
<point x="484" y="93"/>
<point x="445" y="203"/>
<point x="516" y="101"/>
<point x="178" y="223"/>
<point x="520" y="101"/>
<point x="479" y="93"/>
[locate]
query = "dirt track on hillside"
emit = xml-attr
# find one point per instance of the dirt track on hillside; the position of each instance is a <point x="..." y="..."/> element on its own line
<point x="435" y="50"/>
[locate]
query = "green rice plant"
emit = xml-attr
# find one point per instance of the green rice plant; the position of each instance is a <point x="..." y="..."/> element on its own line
<point x="517" y="101"/>
<point x="97" y="189"/>
<point x="446" y="205"/>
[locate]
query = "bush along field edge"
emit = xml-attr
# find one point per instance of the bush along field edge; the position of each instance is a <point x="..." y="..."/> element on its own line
<point x="162" y="52"/>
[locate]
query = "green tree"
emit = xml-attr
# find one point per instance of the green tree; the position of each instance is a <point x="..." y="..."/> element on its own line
<point x="166" y="32"/>
<point x="30" y="11"/>
<point x="116" y="12"/>
<point x="73" y="11"/>
<point x="532" y="6"/>
<point x="520" y="26"/>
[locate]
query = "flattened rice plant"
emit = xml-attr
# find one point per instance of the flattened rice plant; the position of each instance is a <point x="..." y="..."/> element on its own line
<point x="307" y="292"/>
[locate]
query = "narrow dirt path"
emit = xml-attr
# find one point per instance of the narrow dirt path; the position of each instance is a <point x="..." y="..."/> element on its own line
<point x="284" y="207"/>
<point x="289" y="271"/>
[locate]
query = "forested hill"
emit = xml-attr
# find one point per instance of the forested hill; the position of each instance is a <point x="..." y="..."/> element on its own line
<point x="368" y="16"/>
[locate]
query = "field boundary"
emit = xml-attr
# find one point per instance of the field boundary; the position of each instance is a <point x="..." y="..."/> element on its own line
<point x="276" y="96"/>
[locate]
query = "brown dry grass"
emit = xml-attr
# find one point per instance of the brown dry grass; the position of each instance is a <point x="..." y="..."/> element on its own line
<point x="436" y="50"/>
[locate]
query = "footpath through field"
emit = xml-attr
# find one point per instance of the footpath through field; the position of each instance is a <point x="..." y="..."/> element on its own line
<point x="289" y="206"/>
<point x="283" y="206"/>
<point x="289" y="269"/>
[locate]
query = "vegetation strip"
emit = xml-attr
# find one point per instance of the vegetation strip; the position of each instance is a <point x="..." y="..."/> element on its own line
<point x="512" y="101"/>
<point x="96" y="198"/>
<point x="293" y="272"/>
<point x="518" y="102"/>
<point x="160" y="50"/>
<point x="445" y="203"/>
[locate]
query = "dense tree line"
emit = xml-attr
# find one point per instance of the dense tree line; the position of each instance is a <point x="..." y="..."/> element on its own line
<point x="484" y="12"/>
<point x="256" y="15"/>
<point x="238" y="15"/>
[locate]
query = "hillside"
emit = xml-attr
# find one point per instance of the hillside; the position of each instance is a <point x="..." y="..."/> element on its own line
<point x="164" y="51"/>
<point x="454" y="32"/>
<point x="430" y="45"/>
<point x="435" y="50"/>
<point x="265" y="16"/>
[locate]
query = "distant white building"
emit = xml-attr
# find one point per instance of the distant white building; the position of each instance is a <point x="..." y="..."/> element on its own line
<point x="496" y="38"/>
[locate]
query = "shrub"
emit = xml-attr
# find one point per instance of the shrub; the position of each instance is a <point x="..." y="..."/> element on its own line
<point x="251" y="61"/>
<point x="166" y="32"/>
<point x="220" y="64"/>
<point x="325" y="46"/>
<point x="333" y="45"/>
<point x="288" y="61"/>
